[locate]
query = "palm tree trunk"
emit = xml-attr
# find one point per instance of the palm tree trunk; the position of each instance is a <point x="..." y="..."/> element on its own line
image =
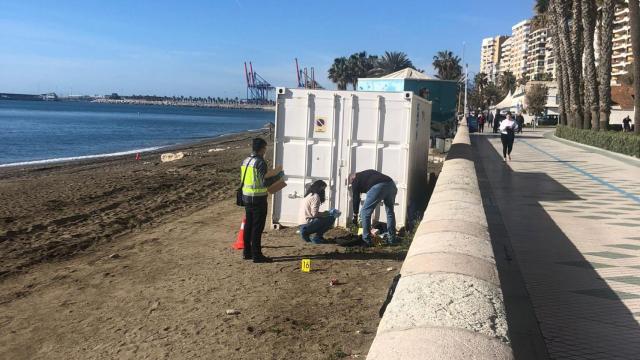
<point x="560" y="75"/>
<point x="561" y="14"/>
<point x="578" y="47"/>
<point x="604" y="68"/>
<point x="591" y="77"/>
<point x="634" y="20"/>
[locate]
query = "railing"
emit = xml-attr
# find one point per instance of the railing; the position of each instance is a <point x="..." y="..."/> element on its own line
<point x="448" y="303"/>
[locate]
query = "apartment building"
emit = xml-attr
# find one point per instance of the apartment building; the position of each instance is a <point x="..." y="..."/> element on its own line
<point x="506" y="56"/>
<point x="549" y="59"/>
<point x="536" y="64"/>
<point x="622" y="54"/>
<point x="490" y="56"/>
<point x="529" y="51"/>
<point x="520" y="48"/>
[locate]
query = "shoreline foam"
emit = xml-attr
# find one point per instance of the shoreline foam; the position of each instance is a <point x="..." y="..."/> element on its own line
<point x="188" y="142"/>
<point x="82" y="157"/>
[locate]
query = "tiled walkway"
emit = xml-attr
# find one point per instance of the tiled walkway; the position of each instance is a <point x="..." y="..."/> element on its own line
<point x="573" y="219"/>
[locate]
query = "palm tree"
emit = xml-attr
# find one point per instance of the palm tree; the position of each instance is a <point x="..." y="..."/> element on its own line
<point x="589" y="13"/>
<point x="390" y="62"/>
<point x="481" y="81"/>
<point x="540" y="8"/>
<point x="577" y="41"/>
<point x="560" y="11"/>
<point x="522" y="81"/>
<point x="447" y="65"/>
<point x="338" y="73"/>
<point x="359" y="66"/>
<point x="545" y="15"/>
<point x="507" y="82"/>
<point x="634" y="21"/>
<point x="604" y="67"/>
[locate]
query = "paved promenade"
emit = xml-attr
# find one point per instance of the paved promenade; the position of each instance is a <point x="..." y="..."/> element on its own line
<point x="570" y="220"/>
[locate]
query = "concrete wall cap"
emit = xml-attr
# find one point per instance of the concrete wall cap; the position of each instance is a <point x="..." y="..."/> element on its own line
<point x="428" y="226"/>
<point x="447" y="300"/>
<point x="452" y="263"/>
<point x="448" y="303"/>
<point x="437" y="343"/>
<point x="452" y="242"/>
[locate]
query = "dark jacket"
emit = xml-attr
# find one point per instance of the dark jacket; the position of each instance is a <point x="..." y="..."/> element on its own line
<point x="363" y="182"/>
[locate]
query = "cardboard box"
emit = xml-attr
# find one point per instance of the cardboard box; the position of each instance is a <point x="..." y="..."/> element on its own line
<point x="277" y="186"/>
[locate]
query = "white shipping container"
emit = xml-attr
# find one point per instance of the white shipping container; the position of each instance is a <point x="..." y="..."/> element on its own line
<point x="327" y="135"/>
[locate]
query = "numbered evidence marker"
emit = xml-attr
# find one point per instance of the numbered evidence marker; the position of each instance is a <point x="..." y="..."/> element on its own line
<point x="306" y="265"/>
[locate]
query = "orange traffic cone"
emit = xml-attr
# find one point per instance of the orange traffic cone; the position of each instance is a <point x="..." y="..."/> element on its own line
<point x="138" y="157"/>
<point x="239" y="244"/>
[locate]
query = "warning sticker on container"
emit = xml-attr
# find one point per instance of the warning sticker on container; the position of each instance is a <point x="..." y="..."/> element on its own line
<point x="320" y="125"/>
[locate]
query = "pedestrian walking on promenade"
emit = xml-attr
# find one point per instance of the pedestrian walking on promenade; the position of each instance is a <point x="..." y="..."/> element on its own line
<point x="496" y="122"/>
<point x="520" y="122"/>
<point x="254" y="199"/>
<point x="310" y="218"/>
<point x="626" y="124"/>
<point x="481" y="121"/>
<point x="508" y="129"/>
<point x="490" y="119"/>
<point x="379" y="188"/>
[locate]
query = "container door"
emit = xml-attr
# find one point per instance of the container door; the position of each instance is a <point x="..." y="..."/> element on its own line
<point x="376" y="137"/>
<point x="306" y="130"/>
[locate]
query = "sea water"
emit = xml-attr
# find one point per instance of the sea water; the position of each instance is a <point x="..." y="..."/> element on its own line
<point x="46" y="131"/>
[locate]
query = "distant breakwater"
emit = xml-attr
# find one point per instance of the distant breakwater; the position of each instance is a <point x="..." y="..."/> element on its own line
<point x="188" y="104"/>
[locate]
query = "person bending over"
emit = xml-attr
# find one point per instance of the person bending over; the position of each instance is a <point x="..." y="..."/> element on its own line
<point x="311" y="219"/>
<point x="379" y="188"/>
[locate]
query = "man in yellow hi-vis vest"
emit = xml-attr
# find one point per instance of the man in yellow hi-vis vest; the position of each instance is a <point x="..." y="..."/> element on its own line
<point x="254" y="195"/>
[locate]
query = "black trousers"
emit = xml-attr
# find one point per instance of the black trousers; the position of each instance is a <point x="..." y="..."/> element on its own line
<point x="507" y="143"/>
<point x="256" y="213"/>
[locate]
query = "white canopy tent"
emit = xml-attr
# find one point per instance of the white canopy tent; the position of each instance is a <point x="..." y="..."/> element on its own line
<point x="409" y="73"/>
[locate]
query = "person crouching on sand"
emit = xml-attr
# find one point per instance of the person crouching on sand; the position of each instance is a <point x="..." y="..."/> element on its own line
<point x="508" y="129"/>
<point x="311" y="220"/>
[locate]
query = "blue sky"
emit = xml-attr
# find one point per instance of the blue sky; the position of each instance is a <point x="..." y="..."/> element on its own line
<point x="197" y="48"/>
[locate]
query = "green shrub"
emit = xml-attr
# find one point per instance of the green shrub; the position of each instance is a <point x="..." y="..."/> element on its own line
<point x="620" y="142"/>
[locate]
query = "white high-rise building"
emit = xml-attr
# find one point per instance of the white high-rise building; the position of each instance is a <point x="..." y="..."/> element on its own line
<point x="504" y="64"/>
<point x="490" y="56"/>
<point x="519" y="48"/>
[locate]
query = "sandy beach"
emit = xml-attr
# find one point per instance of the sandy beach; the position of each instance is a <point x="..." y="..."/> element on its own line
<point x="118" y="258"/>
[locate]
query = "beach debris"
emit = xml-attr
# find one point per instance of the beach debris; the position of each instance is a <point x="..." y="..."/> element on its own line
<point x="154" y="306"/>
<point x="233" y="312"/>
<point x="334" y="282"/>
<point x="167" y="157"/>
<point x="390" y="268"/>
<point x="216" y="150"/>
<point x="114" y="256"/>
<point x="138" y="157"/>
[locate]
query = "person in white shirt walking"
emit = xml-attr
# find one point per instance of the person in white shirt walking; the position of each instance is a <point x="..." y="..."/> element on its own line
<point x="311" y="220"/>
<point x="508" y="128"/>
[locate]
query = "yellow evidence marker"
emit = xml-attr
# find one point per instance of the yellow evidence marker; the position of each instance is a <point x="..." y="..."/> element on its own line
<point x="306" y="265"/>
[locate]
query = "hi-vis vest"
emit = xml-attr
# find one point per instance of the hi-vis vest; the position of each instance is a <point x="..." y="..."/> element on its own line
<point x="253" y="181"/>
